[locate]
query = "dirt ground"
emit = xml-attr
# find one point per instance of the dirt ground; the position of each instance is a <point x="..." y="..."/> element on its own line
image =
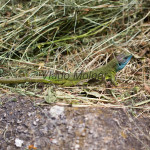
<point x="26" y="125"/>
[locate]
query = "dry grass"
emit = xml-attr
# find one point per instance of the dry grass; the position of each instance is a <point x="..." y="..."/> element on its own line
<point x="77" y="35"/>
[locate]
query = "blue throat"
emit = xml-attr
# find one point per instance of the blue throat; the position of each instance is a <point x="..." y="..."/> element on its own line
<point x="123" y="64"/>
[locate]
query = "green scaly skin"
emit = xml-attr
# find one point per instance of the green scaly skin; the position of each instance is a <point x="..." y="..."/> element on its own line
<point x="106" y="72"/>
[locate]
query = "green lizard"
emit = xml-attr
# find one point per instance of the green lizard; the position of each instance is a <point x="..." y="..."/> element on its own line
<point x="106" y="72"/>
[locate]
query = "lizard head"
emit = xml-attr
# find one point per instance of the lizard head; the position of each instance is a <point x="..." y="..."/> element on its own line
<point x="123" y="59"/>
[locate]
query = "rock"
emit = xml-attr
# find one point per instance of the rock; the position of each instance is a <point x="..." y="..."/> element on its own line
<point x="18" y="142"/>
<point x="56" y="111"/>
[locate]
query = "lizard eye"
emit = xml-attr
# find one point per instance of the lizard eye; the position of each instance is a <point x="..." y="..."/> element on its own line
<point x="119" y="64"/>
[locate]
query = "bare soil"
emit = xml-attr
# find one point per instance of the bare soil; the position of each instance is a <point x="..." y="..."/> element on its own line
<point x="69" y="128"/>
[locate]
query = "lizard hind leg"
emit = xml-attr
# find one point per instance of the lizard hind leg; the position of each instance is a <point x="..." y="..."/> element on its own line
<point x="94" y="82"/>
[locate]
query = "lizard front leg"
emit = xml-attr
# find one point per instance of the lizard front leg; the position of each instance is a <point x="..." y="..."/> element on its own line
<point x="113" y="80"/>
<point x="110" y="77"/>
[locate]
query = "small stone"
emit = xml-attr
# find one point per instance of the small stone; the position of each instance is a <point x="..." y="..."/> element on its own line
<point x="34" y="123"/>
<point x="18" y="142"/>
<point x="29" y="114"/>
<point x="77" y="146"/>
<point x="83" y="134"/>
<point x="90" y="132"/>
<point x="4" y="115"/>
<point x="56" y="111"/>
<point x="54" y="141"/>
<point x="77" y="141"/>
<point x="19" y="121"/>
